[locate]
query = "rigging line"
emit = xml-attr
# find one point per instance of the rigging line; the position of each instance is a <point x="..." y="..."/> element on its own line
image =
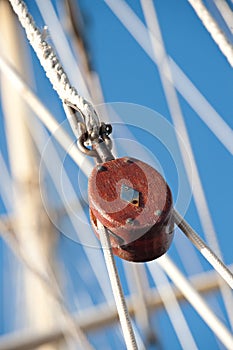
<point x="79" y="42"/>
<point x="202" y="107"/>
<point x="47" y="119"/>
<point x="27" y="206"/>
<point x="213" y="28"/>
<point x="172" y="307"/>
<point x="183" y="84"/>
<point x="48" y="281"/>
<point x="209" y="255"/>
<point x="188" y="257"/>
<point x="62" y="46"/>
<point x="126" y="325"/>
<point x="54" y="69"/>
<point x="45" y="116"/>
<point x="178" y="120"/>
<point x="6" y="185"/>
<point x="103" y="315"/>
<point x="6" y="228"/>
<point x="44" y="113"/>
<point x="93" y="254"/>
<point x="138" y="337"/>
<point x="196" y="301"/>
<point x="225" y="12"/>
<point x="78" y="33"/>
<point x="61" y="84"/>
<point x="138" y="284"/>
<point x="75" y="29"/>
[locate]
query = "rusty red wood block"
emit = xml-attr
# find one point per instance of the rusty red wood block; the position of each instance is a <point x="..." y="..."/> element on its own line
<point x="133" y="201"/>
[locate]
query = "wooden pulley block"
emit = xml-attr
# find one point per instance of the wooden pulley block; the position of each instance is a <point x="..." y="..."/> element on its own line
<point x="134" y="203"/>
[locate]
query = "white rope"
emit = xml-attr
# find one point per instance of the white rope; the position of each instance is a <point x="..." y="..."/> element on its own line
<point x="54" y="69"/>
<point x="172" y="307"/>
<point x="183" y="84"/>
<point x="65" y="141"/>
<point x="99" y="272"/>
<point x="48" y="280"/>
<point x="6" y="185"/>
<point x="138" y="284"/>
<point x="209" y="255"/>
<point x="226" y="13"/>
<point x="61" y="45"/>
<point x="21" y="86"/>
<point x="117" y="289"/>
<point x="95" y="318"/>
<point x="64" y="83"/>
<point x="45" y="116"/>
<point x="179" y="123"/>
<point x="196" y="301"/>
<point x="213" y="28"/>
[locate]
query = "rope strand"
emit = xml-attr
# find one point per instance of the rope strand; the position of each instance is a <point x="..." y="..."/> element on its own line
<point x="117" y="289"/>
<point x="198" y="303"/>
<point x="54" y="70"/>
<point x="209" y="255"/>
<point x="213" y="28"/>
<point x="70" y="328"/>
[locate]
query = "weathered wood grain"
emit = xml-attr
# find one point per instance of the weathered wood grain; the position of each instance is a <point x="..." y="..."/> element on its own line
<point x="137" y="233"/>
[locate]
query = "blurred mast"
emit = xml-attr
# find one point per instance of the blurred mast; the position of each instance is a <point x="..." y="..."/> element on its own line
<point x="105" y="314"/>
<point x="34" y="231"/>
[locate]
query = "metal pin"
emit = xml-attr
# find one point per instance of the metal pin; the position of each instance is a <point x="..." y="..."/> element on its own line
<point x="130" y="221"/>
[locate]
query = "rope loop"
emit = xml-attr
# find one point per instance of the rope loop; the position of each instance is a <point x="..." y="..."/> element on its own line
<point x="54" y="70"/>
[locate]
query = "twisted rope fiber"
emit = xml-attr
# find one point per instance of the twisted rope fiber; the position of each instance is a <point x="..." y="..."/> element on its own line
<point x="213" y="28"/>
<point x="61" y="84"/>
<point x="210" y="256"/>
<point x="117" y="289"/>
<point x="178" y="119"/>
<point x="66" y="92"/>
<point x="54" y="70"/>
